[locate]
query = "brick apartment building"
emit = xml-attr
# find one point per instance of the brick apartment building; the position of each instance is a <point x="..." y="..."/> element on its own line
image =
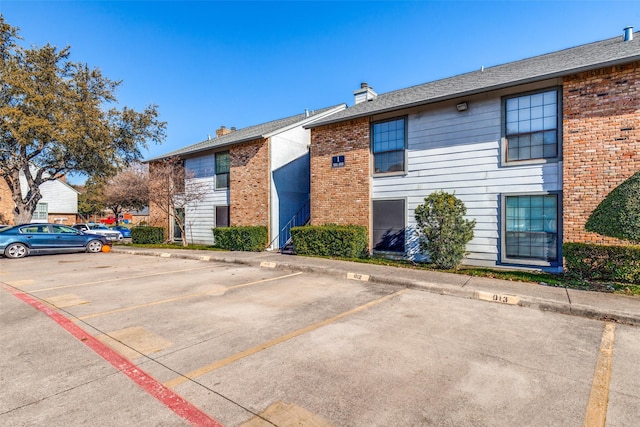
<point x="258" y="176"/>
<point x="531" y="147"/>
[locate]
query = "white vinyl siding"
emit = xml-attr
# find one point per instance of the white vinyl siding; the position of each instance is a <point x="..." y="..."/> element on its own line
<point x="201" y="167"/>
<point x="460" y="153"/>
<point x="200" y="216"/>
<point x="59" y="197"/>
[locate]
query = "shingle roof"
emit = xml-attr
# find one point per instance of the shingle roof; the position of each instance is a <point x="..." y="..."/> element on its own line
<point x="246" y="134"/>
<point x="560" y="63"/>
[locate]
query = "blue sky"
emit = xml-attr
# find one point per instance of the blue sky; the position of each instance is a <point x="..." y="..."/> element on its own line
<point x="209" y="63"/>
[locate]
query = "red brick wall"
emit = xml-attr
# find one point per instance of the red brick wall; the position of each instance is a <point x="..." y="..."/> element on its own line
<point x="6" y="204"/>
<point x="601" y="142"/>
<point x="66" y="219"/>
<point x="249" y="180"/>
<point x="341" y="195"/>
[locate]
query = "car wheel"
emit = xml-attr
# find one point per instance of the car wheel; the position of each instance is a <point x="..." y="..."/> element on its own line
<point x="94" y="246"/>
<point x="16" y="250"/>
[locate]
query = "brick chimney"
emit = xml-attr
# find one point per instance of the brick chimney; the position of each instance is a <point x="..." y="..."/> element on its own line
<point x="365" y="93"/>
<point x="224" y="131"/>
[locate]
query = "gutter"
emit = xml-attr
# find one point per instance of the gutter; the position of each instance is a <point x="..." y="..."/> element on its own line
<point x="448" y="97"/>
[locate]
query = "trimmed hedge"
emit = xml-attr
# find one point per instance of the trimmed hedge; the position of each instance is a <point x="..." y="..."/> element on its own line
<point x="248" y="239"/>
<point x="346" y="241"/>
<point x="602" y="263"/>
<point x="618" y="215"/>
<point x="147" y="235"/>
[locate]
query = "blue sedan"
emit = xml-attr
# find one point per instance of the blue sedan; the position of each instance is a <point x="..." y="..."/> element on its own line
<point x="126" y="232"/>
<point x="22" y="240"/>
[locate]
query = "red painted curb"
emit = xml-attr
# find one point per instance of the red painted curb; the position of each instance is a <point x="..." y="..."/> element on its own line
<point x="163" y="394"/>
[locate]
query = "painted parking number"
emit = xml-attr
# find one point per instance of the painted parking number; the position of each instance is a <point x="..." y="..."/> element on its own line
<point x="503" y="299"/>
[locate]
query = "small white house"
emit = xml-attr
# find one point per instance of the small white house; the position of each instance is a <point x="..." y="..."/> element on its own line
<point x="59" y="203"/>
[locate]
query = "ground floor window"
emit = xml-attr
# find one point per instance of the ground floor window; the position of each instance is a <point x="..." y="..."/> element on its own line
<point x="531" y="227"/>
<point x="41" y="213"/>
<point x="389" y="222"/>
<point x="178" y="216"/>
<point x="222" y="216"/>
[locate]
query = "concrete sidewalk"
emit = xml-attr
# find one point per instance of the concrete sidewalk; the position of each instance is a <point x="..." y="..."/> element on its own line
<point x="594" y="305"/>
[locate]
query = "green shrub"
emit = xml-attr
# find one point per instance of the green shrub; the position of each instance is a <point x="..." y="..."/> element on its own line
<point x="346" y="241"/>
<point x="147" y="235"/>
<point x="443" y="231"/>
<point x="248" y="239"/>
<point x="618" y="215"/>
<point x="601" y="263"/>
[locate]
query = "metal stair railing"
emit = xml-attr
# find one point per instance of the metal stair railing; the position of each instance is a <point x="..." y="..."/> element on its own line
<point x="299" y="218"/>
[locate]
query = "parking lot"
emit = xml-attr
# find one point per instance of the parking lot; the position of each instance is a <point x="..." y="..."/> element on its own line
<point x="236" y="345"/>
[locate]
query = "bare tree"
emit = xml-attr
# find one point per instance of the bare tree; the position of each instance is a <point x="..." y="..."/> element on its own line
<point x="173" y="191"/>
<point x="128" y="190"/>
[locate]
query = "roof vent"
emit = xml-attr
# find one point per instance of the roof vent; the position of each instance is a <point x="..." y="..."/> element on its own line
<point x="628" y="34"/>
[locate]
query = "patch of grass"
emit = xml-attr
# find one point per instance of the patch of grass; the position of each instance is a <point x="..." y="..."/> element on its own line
<point x="542" y="278"/>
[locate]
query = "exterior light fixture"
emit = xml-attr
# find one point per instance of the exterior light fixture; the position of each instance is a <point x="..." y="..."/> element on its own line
<point x="462" y="106"/>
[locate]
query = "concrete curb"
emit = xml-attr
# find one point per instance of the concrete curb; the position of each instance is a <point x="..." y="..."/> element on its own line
<point x="462" y="291"/>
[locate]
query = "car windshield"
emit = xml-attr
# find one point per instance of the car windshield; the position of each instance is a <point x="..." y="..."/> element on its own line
<point x="98" y="227"/>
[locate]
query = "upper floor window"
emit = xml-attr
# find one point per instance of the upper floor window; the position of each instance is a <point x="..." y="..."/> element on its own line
<point x="223" y="165"/>
<point x="531" y="126"/>
<point x="41" y="212"/>
<point x="389" y="141"/>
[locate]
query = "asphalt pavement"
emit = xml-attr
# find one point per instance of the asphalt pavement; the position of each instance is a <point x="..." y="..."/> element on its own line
<point x="593" y="305"/>
<point x="212" y="338"/>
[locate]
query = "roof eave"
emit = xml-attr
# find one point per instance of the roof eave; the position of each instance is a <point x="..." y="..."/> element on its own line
<point x="307" y="120"/>
<point x="208" y="148"/>
<point x="512" y="83"/>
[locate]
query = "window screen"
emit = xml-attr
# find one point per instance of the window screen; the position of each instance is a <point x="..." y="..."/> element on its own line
<point x="388" y="225"/>
<point x="222" y="216"/>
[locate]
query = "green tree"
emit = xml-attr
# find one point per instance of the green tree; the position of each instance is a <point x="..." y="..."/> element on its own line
<point x="57" y="117"/>
<point x="443" y="231"/>
<point x="91" y="198"/>
<point x="618" y="215"/>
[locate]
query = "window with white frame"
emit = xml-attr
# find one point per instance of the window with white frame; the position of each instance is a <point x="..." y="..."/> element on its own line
<point x="223" y="165"/>
<point x="388" y="140"/>
<point x="531" y="227"/>
<point x="41" y="213"/>
<point x="531" y="126"/>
